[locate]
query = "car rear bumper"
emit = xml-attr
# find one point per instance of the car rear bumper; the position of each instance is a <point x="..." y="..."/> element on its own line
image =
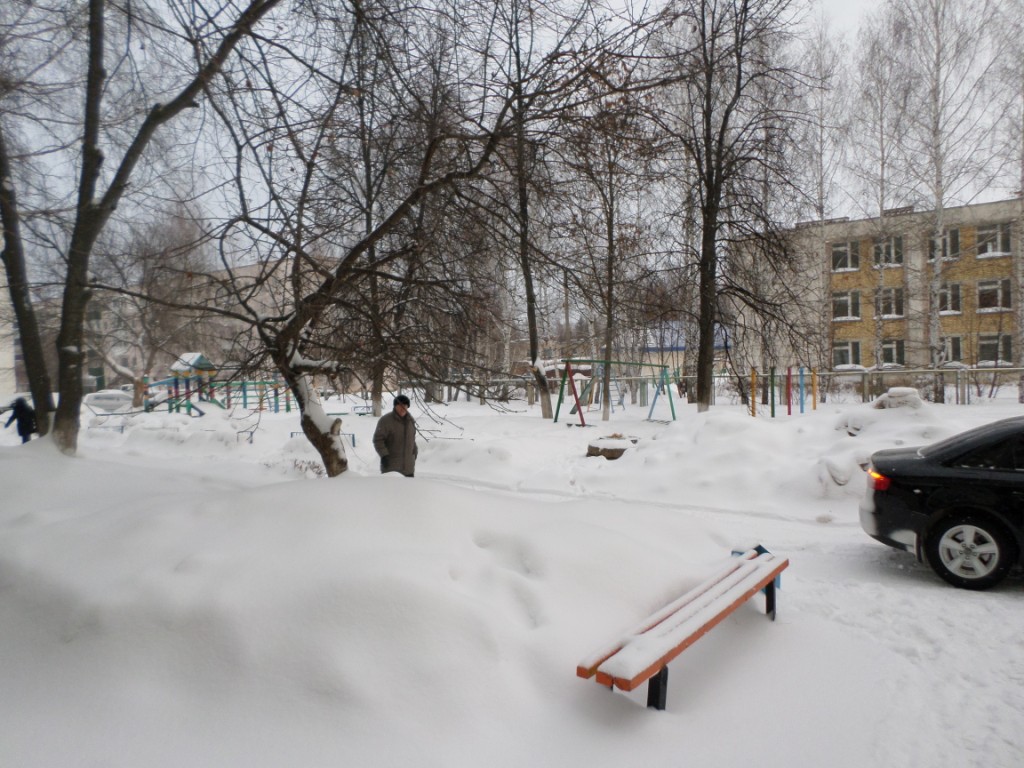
<point x="890" y="523"/>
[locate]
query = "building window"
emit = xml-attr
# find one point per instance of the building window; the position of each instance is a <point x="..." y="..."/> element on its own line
<point x="950" y="245"/>
<point x="889" y="251"/>
<point x="892" y="351"/>
<point x="845" y="353"/>
<point x="994" y="240"/>
<point x="993" y="295"/>
<point x="949" y="298"/>
<point x="846" y="256"/>
<point x="889" y="302"/>
<point x="951" y="350"/>
<point x="846" y="305"/>
<point x="995" y="348"/>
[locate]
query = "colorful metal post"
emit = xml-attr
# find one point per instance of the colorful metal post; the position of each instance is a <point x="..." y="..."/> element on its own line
<point x="789" y="390"/>
<point x="668" y="393"/>
<point x="575" y="396"/>
<point x="561" y="392"/>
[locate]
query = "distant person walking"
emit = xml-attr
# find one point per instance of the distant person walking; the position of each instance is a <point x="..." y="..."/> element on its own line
<point x="395" y="439"/>
<point x="24" y="414"/>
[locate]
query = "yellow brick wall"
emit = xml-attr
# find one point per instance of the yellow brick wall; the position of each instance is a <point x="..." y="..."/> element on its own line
<point x="914" y="277"/>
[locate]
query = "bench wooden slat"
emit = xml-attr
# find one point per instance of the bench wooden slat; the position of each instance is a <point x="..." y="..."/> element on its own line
<point x="641" y="653"/>
<point x="588" y="667"/>
<point x="692" y="619"/>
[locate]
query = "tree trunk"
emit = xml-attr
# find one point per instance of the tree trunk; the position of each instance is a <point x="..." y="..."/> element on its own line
<point x="377" y="389"/>
<point x="92" y="211"/>
<point x="13" y="256"/>
<point x="329" y="445"/>
<point x="543" y="391"/>
<point x="71" y="345"/>
<point x="708" y="294"/>
<point x="609" y="307"/>
<point x="322" y="432"/>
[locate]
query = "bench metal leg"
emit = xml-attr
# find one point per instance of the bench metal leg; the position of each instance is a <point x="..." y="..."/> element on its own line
<point x="769" y="599"/>
<point x="657" y="689"/>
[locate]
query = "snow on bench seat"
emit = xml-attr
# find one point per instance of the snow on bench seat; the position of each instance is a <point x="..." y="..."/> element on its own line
<point x="646" y="650"/>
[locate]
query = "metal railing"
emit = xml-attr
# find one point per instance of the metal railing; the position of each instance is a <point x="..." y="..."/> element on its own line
<point x="799" y="388"/>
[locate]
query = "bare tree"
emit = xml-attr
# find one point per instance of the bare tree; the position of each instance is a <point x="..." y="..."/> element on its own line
<point x="114" y="120"/>
<point x="731" y="114"/>
<point x="606" y="146"/>
<point x="952" y="54"/>
<point x="883" y="89"/>
<point x="824" y="132"/>
<point x="135" y="318"/>
<point x="1010" y="106"/>
<point x="1009" y="94"/>
<point x="30" y="73"/>
<point x="827" y="132"/>
<point x="521" y="26"/>
<point x="285" y="113"/>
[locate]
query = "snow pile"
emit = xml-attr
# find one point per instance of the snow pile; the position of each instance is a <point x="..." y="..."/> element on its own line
<point x="177" y="596"/>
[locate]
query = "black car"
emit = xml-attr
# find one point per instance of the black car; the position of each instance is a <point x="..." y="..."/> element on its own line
<point x="959" y="504"/>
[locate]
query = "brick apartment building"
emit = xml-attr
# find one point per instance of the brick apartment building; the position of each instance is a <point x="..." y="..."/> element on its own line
<point x="888" y="286"/>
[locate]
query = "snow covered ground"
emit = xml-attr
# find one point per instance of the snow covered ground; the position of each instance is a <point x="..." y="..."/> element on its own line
<point x="177" y="596"/>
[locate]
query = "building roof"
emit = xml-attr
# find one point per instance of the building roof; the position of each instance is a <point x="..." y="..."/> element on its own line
<point x="192" y="361"/>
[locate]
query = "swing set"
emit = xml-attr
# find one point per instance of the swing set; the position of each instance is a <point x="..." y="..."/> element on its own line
<point x="661" y="380"/>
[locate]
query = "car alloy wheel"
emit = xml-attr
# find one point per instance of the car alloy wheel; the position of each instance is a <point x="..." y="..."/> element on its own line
<point x="970" y="551"/>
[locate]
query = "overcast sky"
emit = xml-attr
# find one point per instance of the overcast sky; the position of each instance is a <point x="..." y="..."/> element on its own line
<point x="845" y="14"/>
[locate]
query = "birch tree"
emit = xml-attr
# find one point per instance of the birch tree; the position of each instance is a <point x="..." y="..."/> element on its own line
<point x="951" y="53"/>
<point x="824" y="136"/>
<point x="879" y="129"/>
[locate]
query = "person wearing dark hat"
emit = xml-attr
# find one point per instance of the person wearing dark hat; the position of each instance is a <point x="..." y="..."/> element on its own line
<point x="25" y="416"/>
<point x="395" y="439"/>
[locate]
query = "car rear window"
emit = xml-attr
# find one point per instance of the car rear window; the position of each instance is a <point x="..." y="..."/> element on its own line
<point x="951" y="443"/>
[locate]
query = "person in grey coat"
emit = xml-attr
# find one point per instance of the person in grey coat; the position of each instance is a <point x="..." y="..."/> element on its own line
<point x="395" y="439"/>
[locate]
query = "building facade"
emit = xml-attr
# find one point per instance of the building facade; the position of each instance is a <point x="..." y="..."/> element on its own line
<point x="896" y="292"/>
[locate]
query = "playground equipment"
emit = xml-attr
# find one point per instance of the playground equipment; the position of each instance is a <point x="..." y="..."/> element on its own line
<point x="191" y="374"/>
<point x="660" y="380"/>
<point x="192" y="380"/>
<point x="185" y="393"/>
<point x="805" y="385"/>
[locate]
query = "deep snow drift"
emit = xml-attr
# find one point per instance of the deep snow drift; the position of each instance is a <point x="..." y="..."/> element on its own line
<point x="177" y="596"/>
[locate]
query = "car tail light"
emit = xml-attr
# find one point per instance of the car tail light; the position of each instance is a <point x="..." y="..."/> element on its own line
<point x="878" y="481"/>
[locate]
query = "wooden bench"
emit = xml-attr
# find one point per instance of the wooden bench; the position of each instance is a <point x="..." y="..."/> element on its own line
<point x="116" y="427"/>
<point x="644" y="653"/>
<point x="362" y="410"/>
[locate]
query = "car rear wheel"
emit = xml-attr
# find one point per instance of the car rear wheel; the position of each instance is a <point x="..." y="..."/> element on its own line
<point x="970" y="551"/>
